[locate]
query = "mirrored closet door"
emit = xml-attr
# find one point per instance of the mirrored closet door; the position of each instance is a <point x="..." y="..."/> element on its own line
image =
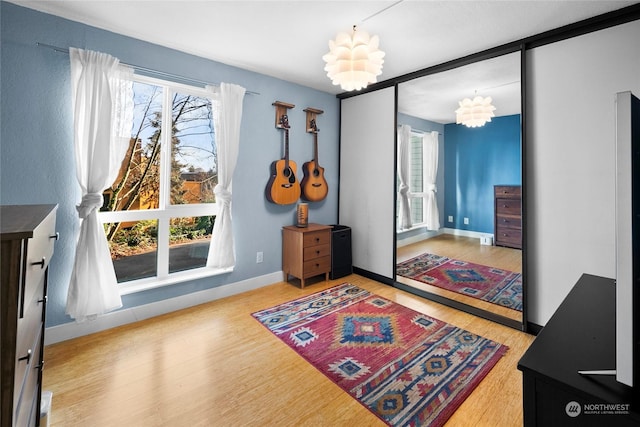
<point x="459" y="187"/>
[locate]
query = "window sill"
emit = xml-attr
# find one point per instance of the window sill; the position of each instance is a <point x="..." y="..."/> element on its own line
<point x="414" y="227"/>
<point x="179" y="277"/>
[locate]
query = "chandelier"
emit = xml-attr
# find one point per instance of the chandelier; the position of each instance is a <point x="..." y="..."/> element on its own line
<point x="475" y="113"/>
<point x="353" y="61"/>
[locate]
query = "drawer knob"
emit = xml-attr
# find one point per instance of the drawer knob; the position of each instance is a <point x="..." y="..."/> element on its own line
<point x="27" y="357"/>
<point x="55" y="236"/>
<point x="40" y="263"/>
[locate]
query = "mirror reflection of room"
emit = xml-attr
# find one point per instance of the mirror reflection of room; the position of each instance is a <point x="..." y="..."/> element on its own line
<point x="458" y="212"/>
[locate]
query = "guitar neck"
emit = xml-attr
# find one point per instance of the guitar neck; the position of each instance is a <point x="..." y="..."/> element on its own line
<point x="315" y="146"/>
<point x="286" y="148"/>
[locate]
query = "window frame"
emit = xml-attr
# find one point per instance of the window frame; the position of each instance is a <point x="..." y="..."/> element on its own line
<point x="417" y="195"/>
<point x="167" y="211"/>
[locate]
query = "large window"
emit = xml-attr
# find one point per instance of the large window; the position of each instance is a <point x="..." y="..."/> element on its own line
<point x="158" y="214"/>
<point x="417" y="183"/>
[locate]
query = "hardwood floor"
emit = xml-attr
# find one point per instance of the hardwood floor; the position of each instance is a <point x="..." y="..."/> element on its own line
<point x="467" y="249"/>
<point x="214" y="365"/>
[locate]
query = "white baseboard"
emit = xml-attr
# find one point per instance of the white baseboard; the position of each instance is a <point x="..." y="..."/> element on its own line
<point x="417" y="238"/>
<point x="467" y="233"/>
<point x="71" y="330"/>
<point x="454" y="231"/>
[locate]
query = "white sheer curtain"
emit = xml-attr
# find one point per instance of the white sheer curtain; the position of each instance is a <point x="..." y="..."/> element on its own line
<point x="227" y="118"/>
<point x="102" y="98"/>
<point x="404" y="148"/>
<point x="430" y="147"/>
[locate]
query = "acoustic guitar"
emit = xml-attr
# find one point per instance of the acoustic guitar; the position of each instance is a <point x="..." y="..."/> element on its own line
<point x="283" y="187"/>
<point x="314" y="186"/>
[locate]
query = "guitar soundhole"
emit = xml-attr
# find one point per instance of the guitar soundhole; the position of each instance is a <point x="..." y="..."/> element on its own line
<point x="288" y="173"/>
<point x="316" y="173"/>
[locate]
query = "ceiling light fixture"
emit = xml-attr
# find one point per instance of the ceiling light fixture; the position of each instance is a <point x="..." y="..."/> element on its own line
<point x="476" y="112"/>
<point x="354" y="61"/>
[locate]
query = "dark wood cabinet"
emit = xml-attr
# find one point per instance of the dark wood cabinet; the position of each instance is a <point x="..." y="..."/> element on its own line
<point x="27" y="237"/>
<point x="579" y="336"/>
<point x="508" y="215"/>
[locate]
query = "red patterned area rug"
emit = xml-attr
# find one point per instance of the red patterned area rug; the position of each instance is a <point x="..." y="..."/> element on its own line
<point x="407" y="368"/>
<point x="501" y="287"/>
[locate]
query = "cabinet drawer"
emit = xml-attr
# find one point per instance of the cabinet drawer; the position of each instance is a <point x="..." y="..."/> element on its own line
<point x="318" y="251"/>
<point x="317" y="266"/>
<point x="26" y="397"/>
<point x="316" y="238"/>
<point x="29" y="325"/>
<point x="29" y="328"/>
<point x="506" y="221"/>
<point x="39" y="252"/>
<point x="508" y="207"/>
<point x="508" y="191"/>
<point x="511" y="236"/>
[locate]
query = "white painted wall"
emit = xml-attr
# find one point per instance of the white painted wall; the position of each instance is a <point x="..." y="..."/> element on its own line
<point x="367" y="178"/>
<point x="570" y="157"/>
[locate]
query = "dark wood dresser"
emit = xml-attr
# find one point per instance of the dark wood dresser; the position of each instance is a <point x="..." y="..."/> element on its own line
<point x="27" y="237"/>
<point x="508" y="215"/>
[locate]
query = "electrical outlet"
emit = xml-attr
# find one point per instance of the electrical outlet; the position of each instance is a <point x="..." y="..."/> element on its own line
<point x="259" y="257"/>
<point x="466" y="221"/>
<point x="450" y="218"/>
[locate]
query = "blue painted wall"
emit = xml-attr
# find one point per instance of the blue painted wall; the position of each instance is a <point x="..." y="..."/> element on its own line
<point x="476" y="159"/>
<point x="37" y="163"/>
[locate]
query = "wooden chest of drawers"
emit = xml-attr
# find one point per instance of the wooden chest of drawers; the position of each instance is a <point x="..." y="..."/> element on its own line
<point x="508" y="216"/>
<point x="306" y="252"/>
<point x="27" y="236"/>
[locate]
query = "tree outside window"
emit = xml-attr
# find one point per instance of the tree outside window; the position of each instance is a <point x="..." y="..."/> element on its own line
<point x="157" y="214"/>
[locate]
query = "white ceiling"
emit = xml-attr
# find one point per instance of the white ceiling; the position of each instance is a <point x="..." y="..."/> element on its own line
<point x="435" y="97"/>
<point x="286" y="39"/>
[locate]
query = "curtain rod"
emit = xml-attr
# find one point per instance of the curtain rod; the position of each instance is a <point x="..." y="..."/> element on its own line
<point x="148" y="70"/>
